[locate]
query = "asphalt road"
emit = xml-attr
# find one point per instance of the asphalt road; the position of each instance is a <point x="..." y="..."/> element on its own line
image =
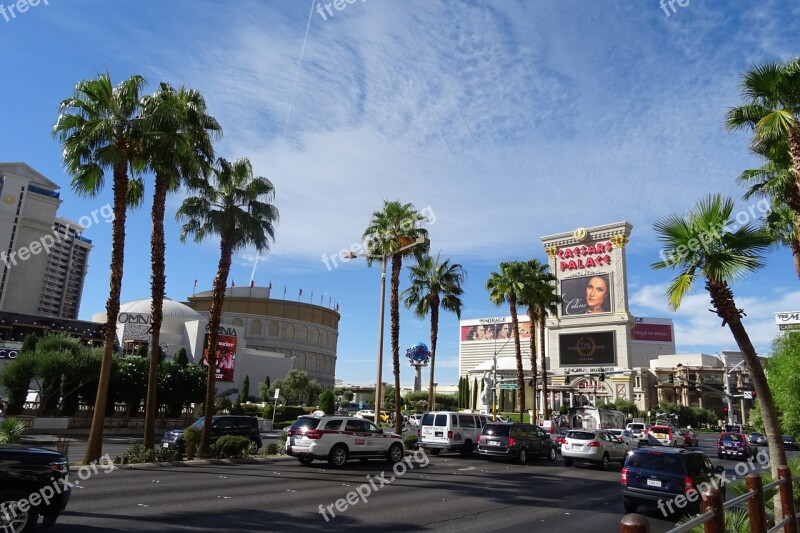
<point x="278" y="494"/>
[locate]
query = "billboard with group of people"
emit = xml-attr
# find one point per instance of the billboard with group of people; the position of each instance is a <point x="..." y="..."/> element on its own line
<point x="494" y="331"/>
<point x="226" y="356"/>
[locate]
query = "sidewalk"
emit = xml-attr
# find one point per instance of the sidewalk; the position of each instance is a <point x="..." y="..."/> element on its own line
<point x="110" y="435"/>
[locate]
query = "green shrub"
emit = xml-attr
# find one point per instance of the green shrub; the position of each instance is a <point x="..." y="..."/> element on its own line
<point x="267" y="412"/>
<point x="289" y="413"/>
<point x="273" y="448"/>
<point x="251" y="409"/>
<point x="11" y="429"/>
<point x="191" y="439"/>
<point x="410" y="441"/>
<point x="137" y="453"/>
<point x="231" y="447"/>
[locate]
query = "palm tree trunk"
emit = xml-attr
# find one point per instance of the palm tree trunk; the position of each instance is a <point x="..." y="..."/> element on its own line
<point x="394" y="306"/>
<point x="214" y="319"/>
<point x="534" y="373"/>
<point x="512" y="303"/>
<point x="157" y="284"/>
<point x="434" y="337"/>
<point x="546" y="414"/>
<point x="725" y="306"/>
<point x="94" y="446"/>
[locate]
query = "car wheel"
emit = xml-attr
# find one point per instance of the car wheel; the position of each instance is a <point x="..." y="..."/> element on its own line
<point x="551" y="455"/>
<point x="630" y="507"/>
<point x="13" y="519"/>
<point x="395" y="454"/>
<point x="523" y="456"/>
<point x="568" y="461"/>
<point x="604" y="462"/>
<point x="466" y="450"/>
<point x="338" y="455"/>
<point x="305" y="460"/>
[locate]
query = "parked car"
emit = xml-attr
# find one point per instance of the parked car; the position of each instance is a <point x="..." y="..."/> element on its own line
<point x="595" y="446"/>
<point x="627" y="437"/>
<point x="690" y="438"/>
<point x="338" y="439"/>
<point x="653" y="475"/>
<point x="668" y="435"/>
<point x="25" y="471"/>
<point x="366" y="414"/>
<point x="559" y="436"/>
<point x="734" y="445"/>
<point x="789" y="442"/>
<point x="515" y="441"/>
<point x="413" y="420"/>
<point x="221" y="425"/>
<point x="450" y="431"/>
<point x="757" y="439"/>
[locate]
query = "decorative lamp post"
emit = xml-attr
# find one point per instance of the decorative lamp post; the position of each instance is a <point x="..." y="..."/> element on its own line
<point x="418" y="355"/>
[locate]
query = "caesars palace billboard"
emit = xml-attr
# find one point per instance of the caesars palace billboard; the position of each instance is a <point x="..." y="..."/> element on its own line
<point x="587" y="349"/>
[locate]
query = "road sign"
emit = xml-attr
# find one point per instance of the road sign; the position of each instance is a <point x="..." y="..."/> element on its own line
<point x="507" y="386"/>
<point x="277" y="393"/>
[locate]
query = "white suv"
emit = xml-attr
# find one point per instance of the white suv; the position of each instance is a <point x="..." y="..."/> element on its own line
<point x="340" y="438"/>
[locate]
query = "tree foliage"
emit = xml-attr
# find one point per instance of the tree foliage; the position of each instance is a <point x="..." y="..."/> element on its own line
<point x="783" y="375"/>
<point x="326" y="402"/>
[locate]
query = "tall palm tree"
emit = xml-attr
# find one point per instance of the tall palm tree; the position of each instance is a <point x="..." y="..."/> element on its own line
<point x="539" y="295"/>
<point x="179" y="150"/>
<point x="433" y="283"/>
<point x="508" y="286"/>
<point x="238" y="207"/>
<point x="771" y="109"/>
<point x="721" y="257"/>
<point x="100" y="130"/>
<point x="390" y="233"/>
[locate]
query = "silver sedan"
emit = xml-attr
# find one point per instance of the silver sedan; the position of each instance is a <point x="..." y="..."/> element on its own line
<point x="594" y="446"/>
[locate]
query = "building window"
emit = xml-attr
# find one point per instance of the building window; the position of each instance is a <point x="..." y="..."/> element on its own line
<point x="237" y="322"/>
<point x="255" y="328"/>
<point x="288" y="332"/>
<point x="274" y="329"/>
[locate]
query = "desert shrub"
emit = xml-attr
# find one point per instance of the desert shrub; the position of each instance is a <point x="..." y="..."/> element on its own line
<point x="136" y="453"/>
<point x="11" y="429"/>
<point x="410" y="441"/>
<point x="230" y="447"/>
<point x="273" y="448"/>
<point x="191" y="439"/>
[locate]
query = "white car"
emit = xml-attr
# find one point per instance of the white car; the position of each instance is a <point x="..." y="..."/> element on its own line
<point x="367" y="414"/>
<point x="338" y="439"/>
<point x="627" y="437"/>
<point x="597" y="446"/>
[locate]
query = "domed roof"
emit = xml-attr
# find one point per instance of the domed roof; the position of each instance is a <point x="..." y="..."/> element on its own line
<point x="170" y="308"/>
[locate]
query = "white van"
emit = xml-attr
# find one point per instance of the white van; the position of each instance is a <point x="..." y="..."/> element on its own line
<point x="450" y="431"/>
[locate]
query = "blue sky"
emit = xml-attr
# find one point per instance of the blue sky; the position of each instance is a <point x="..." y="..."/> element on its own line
<point x="509" y="120"/>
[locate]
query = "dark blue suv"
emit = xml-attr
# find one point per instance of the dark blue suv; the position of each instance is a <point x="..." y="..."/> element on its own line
<point x="663" y="477"/>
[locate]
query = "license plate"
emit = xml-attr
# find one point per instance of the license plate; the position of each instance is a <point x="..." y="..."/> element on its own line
<point x="494" y="443"/>
<point x="654" y="482"/>
<point x="438" y="434"/>
<point x="166" y="445"/>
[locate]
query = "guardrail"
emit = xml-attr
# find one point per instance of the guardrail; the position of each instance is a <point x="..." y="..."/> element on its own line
<point x="713" y="516"/>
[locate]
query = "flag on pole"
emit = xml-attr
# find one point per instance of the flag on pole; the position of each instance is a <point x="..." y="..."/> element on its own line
<point x="329" y="300"/>
<point x="299" y="295"/>
<point x="311" y="300"/>
<point x="321" y="296"/>
<point x="251" y="288"/>
<point x="233" y="283"/>
<point x="284" y="292"/>
<point x="270" y="285"/>
<point x="195" y="282"/>
<point x="252" y="283"/>
<point x="195" y="286"/>
<point x="337" y="307"/>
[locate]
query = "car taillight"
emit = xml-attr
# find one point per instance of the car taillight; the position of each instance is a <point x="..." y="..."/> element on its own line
<point x="313" y="434"/>
<point x="644" y="432"/>
<point x="561" y="440"/>
<point x="419" y="433"/>
<point x="624" y="478"/>
<point x="594" y="444"/>
<point x="449" y="435"/>
<point x="688" y="484"/>
<point x="479" y="438"/>
<point x="511" y="442"/>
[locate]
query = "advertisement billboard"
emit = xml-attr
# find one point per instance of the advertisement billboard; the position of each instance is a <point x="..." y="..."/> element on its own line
<point x="643" y="332"/>
<point x="587" y="349"/>
<point x="586" y="295"/>
<point x="494" y="331"/>
<point x="226" y="356"/>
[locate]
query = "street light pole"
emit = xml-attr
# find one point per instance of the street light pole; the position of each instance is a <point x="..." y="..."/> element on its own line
<point x="379" y="379"/>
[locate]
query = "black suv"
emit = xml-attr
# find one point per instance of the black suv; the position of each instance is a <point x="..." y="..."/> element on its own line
<point x="515" y="440"/>
<point x="34" y="479"/>
<point x="221" y="425"/>
<point x="660" y="474"/>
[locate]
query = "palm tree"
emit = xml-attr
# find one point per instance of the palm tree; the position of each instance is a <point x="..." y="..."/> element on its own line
<point x="775" y="182"/>
<point x="508" y="286"/>
<point x="707" y="249"/>
<point x="179" y="150"/>
<point x="390" y="234"/>
<point x="237" y="207"/>
<point x="539" y="295"/>
<point x="433" y="283"/>
<point x="100" y="130"/>
<point x="771" y="109"/>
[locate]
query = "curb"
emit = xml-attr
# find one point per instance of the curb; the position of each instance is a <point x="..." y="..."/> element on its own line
<point x="193" y="462"/>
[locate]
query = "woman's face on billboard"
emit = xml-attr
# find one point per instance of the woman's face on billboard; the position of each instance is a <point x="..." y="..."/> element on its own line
<point x="596" y="292"/>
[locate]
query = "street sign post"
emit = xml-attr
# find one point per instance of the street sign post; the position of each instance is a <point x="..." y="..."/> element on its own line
<point x="507" y="386"/>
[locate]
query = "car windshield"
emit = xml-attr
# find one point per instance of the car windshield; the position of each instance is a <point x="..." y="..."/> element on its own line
<point x="654" y="461"/>
<point x="733" y="437"/>
<point x="305" y="422"/>
<point x="581" y="435"/>
<point x="198" y="423"/>
<point x="498" y="430"/>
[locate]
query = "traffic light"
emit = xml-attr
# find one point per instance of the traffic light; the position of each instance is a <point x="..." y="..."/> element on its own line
<point x="671" y="379"/>
<point x="725" y="410"/>
<point x="602" y="376"/>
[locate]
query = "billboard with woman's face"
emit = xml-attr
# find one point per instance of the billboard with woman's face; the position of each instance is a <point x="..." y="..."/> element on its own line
<point x="494" y="331"/>
<point x="586" y="296"/>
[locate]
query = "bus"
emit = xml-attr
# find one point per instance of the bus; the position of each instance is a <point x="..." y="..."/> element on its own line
<point x="594" y="418"/>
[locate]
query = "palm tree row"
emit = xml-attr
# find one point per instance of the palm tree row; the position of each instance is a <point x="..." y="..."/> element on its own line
<point x="169" y="134"/>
